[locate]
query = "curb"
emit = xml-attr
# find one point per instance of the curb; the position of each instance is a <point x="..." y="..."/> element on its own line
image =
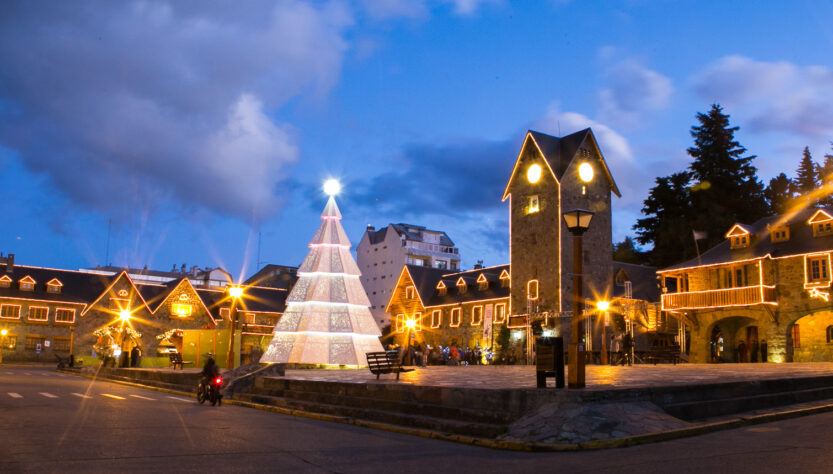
<point x="506" y="445"/>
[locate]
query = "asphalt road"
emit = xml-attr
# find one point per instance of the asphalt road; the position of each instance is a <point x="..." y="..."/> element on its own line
<point x="52" y="422"/>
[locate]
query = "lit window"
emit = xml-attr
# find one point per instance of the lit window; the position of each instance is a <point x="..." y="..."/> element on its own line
<point x="409" y="292"/>
<point x="461" y="285"/>
<point x="822" y="228"/>
<point x="54" y="286"/>
<point x="780" y="234"/>
<point x="64" y="315"/>
<point x="504" y="279"/>
<point x="817" y="269"/>
<point x="477" y="316"/>
<point x="500" y="313"/>
<point x="400" y="323"/>
<point x="60" y="344"/>
<point x="441" y="288"/>
<point x="532" y="290"/>
<point x="32" y="342"/>
<point x="482" y="283"/>
<point x="38" y="313"/>
<point x="533" y="204"/>
<point x="181" y="310"/>
<point x="5" y="281"/>
<point x="10" y="311"/>
<point x="456" y="317"/>
<point x="9" y="341"/>
<point x="418" y="321"/>
<point x="27" y="284"/>
<point x="436" y="318"/>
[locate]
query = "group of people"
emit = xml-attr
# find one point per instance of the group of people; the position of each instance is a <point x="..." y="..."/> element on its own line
<point x="421" y="355"/>
<point x="621" y="349"/>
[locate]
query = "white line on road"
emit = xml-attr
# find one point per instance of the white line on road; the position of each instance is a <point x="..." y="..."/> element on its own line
<point x="9" y="372"/>
<point x="26" y="373"/>
<point x="15" y="395"/>
<point x="115" y="397"/>
<point x="181" y="399"/>
<point x="81" y="395"/>
<point x="48" y="395"/>
<point x="143" y="398"/>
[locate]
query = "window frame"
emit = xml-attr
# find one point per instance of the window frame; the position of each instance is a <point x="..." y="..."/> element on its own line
<point x="436" y="318"/>
<point x="495" y="319"/>
<point x="400" y="323"/>
<point x="5" y="305"/>
<point x="529" y="293"/>
<point x="58" y="311"/>
<point x="473" y="312"/>
<point x="459" y="312"/>
<point x="29" y="314"/>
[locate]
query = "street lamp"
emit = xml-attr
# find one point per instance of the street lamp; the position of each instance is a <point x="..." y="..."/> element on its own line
<point x="603" y="306"/>
<point x="578" y="221"/>
<point x="411" y="325"/>
<point x="235" y="292"/>
<point x="3" y="333"/>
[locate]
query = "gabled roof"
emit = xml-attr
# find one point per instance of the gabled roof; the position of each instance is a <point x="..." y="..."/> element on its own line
<point x="107" y="290"/>
<point x="559" y="153"/>
<point x="274" y="276"/>
<point x="426" y="280"/>
<point x="78" y="287"/>
<point x="801" y="242"/>
<point x="644" y="284"/>
<point x="820" y="216"/>
<point x="738" y="230"/>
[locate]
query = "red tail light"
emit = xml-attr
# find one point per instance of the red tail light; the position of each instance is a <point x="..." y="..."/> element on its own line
<point x="218" y="381"/>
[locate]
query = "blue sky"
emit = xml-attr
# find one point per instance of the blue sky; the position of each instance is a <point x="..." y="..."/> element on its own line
<point x="192" y="127"/>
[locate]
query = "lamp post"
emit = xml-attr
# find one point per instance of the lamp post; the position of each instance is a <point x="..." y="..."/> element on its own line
<point x="411" y="325"/>
<point x="603" y="306"/>
<point x="578" y="221"/>
<point x="235" y="292"/>
<point x="3" y="333"/>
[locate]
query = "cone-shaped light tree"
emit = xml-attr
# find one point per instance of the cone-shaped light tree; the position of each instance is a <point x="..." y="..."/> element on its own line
<point x="327" y="318"/>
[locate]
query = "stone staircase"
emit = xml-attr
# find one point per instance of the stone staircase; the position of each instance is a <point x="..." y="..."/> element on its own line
<point x="438" y="409"/>
<point x="717" y="400"/>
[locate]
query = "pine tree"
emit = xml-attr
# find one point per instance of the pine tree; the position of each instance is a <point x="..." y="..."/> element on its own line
<point x="666" y="226"/>
<point x="726" y="188"/>
<point x="779" y="194"/>
<point x="826" y="178"/>
<point x="327" y="319"/>
<point x="807" y="180"/>
<point x="626" y="251"/>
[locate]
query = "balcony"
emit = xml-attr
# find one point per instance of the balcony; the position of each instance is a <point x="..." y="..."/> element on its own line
<point x="744" y="296"/>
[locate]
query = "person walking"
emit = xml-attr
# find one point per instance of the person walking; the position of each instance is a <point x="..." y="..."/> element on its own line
<point x="627" y="348"/>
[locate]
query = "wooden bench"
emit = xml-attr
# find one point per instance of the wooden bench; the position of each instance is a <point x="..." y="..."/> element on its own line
<point x="176" y="359"/>
<point x="663" y="354"/>
<point x="387" y="362"/>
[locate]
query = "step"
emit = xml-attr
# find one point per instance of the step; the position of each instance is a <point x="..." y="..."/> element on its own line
<point x="719" y="391"/>
<point x="483" y="430"/>
<point x="701" y="409"/>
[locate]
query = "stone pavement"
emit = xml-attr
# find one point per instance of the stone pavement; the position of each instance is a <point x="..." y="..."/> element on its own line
<point x="598" y="376"/>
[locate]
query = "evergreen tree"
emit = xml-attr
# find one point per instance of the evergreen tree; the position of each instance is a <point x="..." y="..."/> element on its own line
<point x="826" y="179"/>
<point x="667" y="226"/>
<point x="726" y="188"/>
<point x="779" y="194"/>
<point x="807" y="180"/>
<point x="626" y="251"/>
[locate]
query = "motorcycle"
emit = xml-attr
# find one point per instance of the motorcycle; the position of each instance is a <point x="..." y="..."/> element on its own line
<point x="210" y="391"/>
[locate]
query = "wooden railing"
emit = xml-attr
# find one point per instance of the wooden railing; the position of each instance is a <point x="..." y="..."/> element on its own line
<point x="744" y="296"/>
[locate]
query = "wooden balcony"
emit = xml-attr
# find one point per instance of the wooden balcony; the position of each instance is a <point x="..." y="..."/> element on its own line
<point x="744" y="296"/>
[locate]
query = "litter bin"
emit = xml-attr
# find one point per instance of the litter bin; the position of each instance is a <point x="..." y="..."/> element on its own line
<point x="549" y="360"/>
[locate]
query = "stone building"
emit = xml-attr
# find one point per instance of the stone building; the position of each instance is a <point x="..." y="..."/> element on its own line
<point x="381" y="253"/>
<point x="767" y="284"/>
<point x="47" y="312"/>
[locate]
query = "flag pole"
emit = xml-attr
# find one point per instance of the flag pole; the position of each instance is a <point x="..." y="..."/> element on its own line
<point x="696" y="246"/>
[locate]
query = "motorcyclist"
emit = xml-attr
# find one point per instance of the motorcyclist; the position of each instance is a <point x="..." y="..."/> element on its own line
<point x="210" y="370"/>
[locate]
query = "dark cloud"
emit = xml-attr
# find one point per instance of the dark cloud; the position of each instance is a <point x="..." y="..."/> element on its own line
<point x="456" y="179"/>
<point x="137" y="103"/>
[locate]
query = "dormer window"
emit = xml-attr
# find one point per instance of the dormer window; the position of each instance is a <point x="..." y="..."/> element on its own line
<point x="5" y="281"/>
<point x="533" y="205"/>
<point x="822" y="223"/>
<point x="504" y="279"/>
<point x="738" y="237"/>
<point x="27" y="284"/>
<point x="482" y="283"/>
<point x="441" y="288"/>
<point x="54" y="286"/>
<point x="780" y="234"/>
<point x="461" y="285"/>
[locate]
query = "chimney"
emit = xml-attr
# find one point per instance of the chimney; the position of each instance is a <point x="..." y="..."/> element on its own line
<point x="370" y="228"/>
<point x="195" y="270"/>
<point x="10" y="263"/>
<point x="173" y="269"/>
<point x="182" y="269"/>
<point x="478" y="265"/>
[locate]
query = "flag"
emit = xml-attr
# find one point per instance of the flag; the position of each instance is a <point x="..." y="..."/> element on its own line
<point x="700" y="235"/>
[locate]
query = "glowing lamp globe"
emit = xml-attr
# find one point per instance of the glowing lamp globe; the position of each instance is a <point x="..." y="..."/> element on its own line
<point x="410" y="324"/>
<point x="3" y="332"/>
<point x="603" y="305"/>
<point x="124" y="314"/>
<point x="533" y="173"/>
<point x="235" y="291"/>
<point x="332" y="187"/>
<point x="585" y="172"/>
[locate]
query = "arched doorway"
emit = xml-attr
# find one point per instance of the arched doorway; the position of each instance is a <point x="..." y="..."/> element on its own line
<point x="731" y="340"/>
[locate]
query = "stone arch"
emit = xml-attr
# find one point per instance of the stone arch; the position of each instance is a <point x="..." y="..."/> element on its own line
<point x="812" y="337"/>
<point x="723" y="338"/>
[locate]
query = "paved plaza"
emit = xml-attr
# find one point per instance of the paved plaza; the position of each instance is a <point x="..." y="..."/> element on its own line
<point x="598" y="376"/>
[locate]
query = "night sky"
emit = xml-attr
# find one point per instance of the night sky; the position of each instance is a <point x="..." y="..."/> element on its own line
<point x="189" y="129"/>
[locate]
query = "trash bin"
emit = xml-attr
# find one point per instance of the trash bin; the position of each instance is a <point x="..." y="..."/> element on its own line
<point x="549" y="361"/>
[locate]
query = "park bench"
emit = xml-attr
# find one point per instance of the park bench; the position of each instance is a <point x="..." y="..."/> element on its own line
<point x="386" y="362"/>
<point x="663" y="354"/>
<point x="176" y="359"/>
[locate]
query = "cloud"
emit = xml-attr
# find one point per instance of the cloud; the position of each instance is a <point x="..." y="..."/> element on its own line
<point x="772" y="96"/>
<point x="632" y="90"/>
<point x="136" y="103"/>
<point x="391" y="9"/>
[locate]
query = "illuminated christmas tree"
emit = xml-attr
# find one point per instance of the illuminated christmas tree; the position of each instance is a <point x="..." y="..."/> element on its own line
<point x="327" y="318"/>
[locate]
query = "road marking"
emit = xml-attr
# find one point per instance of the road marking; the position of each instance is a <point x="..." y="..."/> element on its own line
<point x="181" y="399"/>
<point x="60" y="375"/>
<point x="143" y="398"/>
<point x="26" y="373"/>
<point x="48" y="395"/>
<point x="115" y="397"/>
<point x="8" y="372"/>
<point x="81" y="395"/>
<point x="15" y="395"/>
